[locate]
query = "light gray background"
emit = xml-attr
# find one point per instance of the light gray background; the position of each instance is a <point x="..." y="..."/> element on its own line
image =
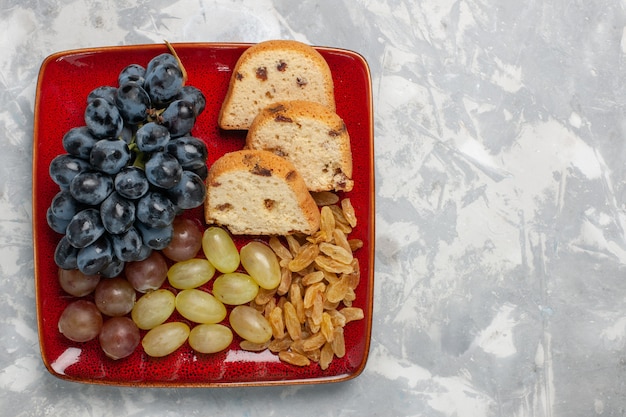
<point x="501" y="249"/>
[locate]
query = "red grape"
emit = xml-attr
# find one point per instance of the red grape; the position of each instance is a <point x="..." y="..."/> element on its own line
<point x="81" y="321"/>
<point x="186" y="241"/>
<point x="115" y="296"/>
<point x="147" y="275"/>
<point x="75" y="283"/>
<point x="119" y="337"/>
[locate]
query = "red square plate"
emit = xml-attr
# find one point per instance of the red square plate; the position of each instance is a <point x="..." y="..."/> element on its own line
<point x="65" y="79"/>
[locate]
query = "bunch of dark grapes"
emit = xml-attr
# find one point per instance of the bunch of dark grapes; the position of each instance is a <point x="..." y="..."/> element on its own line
<point x="130" y="170"/>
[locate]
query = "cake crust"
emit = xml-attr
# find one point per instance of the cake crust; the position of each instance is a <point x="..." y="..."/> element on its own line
<point x="312" y="137"/>
<point x="256" y="192"/>
<point x="271" y="71"/>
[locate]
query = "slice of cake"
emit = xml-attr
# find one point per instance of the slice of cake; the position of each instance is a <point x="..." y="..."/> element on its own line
<point x="309" y="135"/>
<point x="271" y="71"/>
<point x="256" y="192"/>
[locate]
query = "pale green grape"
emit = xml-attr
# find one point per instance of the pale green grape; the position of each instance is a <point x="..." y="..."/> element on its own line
<point x="235" y="288"/>
<point x="261" y="263"/>
<point x="210" y="338"/>
<point x="165" y="339"/>
<point x="200" y="306"/>
<point x="153" y="309"/>
<point x="250" y="324"/>
<point x="191" y="273"/>
<point x="220" y="250"/>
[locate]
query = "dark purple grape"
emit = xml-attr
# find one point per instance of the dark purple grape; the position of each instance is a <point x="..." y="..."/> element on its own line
<point x="161" y="59"/>
<point x="133" y="103"/>
<point x="56" y="223"/>
<point x="128" y="133"/>
<point x="145" y="250"/>
<point x="96" y="257"/>
<point x="191" y="152"/>
<point x="194" y="96"/>
<point x="156" y="238"/>
<point x="163" y="170"/>
<point x="132" y="73"/>
<point x="202" y="172"/>
<point x="91" y="187"/>
<point x="64" y="206"/>
<point x="113" y="269"/>
<point x="103" y="119"/>
<point x="110" y="156"/>
<point x="78" y="142"/>
<point x="117" y="213"/>
<point x="65" y="254"/>
<point x="131" y="182"/>
<point x="85" y="228"/>
<point x="105" y="92"/>
<point x="189" y="192"/>
<point x="179" y="118"/>
<point x="155" y="210"/>
<point x="65" y="167"/>
<point x="128" y="246"/>
<point x="152" y="137"/>
<point x="163" y="82"/>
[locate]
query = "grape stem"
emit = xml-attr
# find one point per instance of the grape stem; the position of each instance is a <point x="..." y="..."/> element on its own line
<point x="154" y="115"/>
<point x="140" y="157"/>
<point x="180" y="63"/>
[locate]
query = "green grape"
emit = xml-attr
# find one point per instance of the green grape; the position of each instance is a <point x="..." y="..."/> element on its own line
<point x="165" y="339"/>
<point x="235" y="288"/>
<point x="220" y="250"/>
<point x="191" y="273"/>
<point x="210" y="338"/>
<point x="200" y="306"/>
<point x="261" y="263"/>
<point x="153" y="308"/>
<point x="250" y="324"/>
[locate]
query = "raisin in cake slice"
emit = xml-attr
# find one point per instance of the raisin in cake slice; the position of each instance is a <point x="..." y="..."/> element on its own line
<point x="256" y="192"/>
<point x="309" y="135"/>
<point x="273" y="71"/>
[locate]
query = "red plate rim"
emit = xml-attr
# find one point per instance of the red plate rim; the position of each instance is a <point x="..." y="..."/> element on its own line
<point x="368" y="306"/>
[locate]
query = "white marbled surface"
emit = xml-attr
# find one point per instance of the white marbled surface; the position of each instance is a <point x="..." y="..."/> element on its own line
<point x="501" y="203"/>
